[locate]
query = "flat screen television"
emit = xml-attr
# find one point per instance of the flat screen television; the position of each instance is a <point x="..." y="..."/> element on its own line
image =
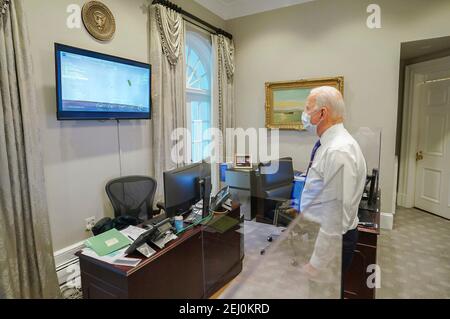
<point x="95" y="86"/>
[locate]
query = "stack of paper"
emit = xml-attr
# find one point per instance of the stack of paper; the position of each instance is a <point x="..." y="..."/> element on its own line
<point x="110" y="246"/>
<point x="133" y="232"/>
<point x="161" y="243"/>
<point x="107" y="242"/>
<point x="115" y="258"/>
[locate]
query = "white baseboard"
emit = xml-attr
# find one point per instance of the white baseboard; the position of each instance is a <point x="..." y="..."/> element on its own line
<point x="65" y="255"/>
<point x="387" y="221"/>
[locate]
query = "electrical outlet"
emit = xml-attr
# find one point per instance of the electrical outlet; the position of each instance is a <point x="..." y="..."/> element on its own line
<point x="90" y="223"/>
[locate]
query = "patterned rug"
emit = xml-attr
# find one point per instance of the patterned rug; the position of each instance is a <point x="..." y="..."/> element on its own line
<point x="274" y="274"/>
<point x="414" y="257"/>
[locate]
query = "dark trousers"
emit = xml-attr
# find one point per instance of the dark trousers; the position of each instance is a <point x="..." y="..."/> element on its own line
<point x="349" y="240"/>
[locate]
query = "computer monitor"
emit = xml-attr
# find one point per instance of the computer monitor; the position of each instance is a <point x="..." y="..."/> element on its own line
<point x="373" y="189"/>
<point x="205" y="194"/>
<point x="182" y="187"/>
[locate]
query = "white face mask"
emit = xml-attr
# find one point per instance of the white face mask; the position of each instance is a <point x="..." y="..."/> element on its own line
<point x="306" y="120"/>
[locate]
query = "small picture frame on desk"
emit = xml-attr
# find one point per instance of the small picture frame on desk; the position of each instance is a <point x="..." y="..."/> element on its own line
<point x="243" y="161"/>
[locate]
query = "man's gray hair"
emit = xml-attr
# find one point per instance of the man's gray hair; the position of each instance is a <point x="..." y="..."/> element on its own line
<point x="331" y="97"/>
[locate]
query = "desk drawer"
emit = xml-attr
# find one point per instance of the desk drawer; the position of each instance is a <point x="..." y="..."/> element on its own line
<point x="97" y="269"/>
<point x="355" y="282"/>
<point x="95" y="288"/>
<point x="367" y="238"/>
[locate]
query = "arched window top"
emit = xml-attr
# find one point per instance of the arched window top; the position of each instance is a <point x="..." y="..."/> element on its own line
<point x="198" y="91"/>
<point x="198" y="62"/>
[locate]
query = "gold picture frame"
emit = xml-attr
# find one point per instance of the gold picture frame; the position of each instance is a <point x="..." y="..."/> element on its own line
<point x="285" y="101"/>
<point x="243" y="161"/>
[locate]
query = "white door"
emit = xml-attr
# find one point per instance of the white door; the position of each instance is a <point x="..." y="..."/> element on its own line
<point x="432" y="191"/>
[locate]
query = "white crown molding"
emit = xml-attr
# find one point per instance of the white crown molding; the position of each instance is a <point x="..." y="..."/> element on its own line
<point x="230" y="9"/>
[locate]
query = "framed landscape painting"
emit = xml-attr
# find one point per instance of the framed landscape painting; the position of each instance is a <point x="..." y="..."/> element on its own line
<point x="285" y="101"/>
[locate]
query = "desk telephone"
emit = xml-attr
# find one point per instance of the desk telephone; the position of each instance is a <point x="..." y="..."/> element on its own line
<point x="220" y="198"/>
<point x="153" y="233"/>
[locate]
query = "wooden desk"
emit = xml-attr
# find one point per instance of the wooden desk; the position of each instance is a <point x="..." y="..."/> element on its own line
<point x="355" y="281"/>
<point x="195" y="265"/>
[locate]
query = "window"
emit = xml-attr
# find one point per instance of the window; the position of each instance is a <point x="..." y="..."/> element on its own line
<point x="198" y="91"/>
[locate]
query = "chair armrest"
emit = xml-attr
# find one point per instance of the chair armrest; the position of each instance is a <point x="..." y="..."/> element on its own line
<point x="285" y="209"/>
<point x="277" y="199"/>
<point x="160" y="209"/>
<point x="161" y="206"/>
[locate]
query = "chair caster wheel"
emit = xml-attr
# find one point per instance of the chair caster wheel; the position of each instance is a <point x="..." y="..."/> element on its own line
<point x="262" y="252"/>
<point x="269" y="239"/>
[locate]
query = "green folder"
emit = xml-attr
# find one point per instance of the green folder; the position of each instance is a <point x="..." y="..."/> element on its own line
<point x="222" y="223"/>
<point x="107" y="242"/>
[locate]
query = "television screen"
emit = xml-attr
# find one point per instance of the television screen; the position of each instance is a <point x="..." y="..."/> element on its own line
<point x="97" y="86"/>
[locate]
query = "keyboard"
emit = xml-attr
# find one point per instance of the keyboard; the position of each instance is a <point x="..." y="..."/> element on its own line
<point x="154" y="220"/>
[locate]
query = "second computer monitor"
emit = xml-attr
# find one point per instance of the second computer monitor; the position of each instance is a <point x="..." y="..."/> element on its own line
<point x="182" y="187"/>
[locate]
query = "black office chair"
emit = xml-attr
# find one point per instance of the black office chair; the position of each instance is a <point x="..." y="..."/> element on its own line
<point x="276" y="191"/>
<point x="132" y="196"/>
<point x="275" y="187"/>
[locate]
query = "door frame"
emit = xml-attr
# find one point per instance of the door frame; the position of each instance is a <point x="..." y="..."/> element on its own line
<point x="415" y="74"/>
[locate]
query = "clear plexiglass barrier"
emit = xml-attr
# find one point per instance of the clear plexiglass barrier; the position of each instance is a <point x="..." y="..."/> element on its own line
<point x="303" y="260"/>
<point x="369" y="140"/>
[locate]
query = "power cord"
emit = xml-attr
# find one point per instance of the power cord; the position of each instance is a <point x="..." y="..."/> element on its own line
<point x="71" y="293"/>
<point x="203" y="220"/>
<point x="120" y="148"/>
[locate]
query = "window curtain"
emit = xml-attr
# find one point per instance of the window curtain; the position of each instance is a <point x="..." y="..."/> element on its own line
<point x="27" y="268"/>
<point x="224" y="100"/>
<point x="167" y="46"/>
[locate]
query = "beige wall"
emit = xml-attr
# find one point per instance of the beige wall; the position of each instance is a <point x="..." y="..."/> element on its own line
<point x="81" y="156"/>
<point x="196" y="9"/>
<point x="329" y="38"/>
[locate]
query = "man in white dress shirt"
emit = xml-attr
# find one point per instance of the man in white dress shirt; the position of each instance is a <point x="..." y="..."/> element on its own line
<point x="337" y="171"/>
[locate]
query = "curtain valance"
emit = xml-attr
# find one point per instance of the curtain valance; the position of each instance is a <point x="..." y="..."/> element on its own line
<point x="170" y="27"/>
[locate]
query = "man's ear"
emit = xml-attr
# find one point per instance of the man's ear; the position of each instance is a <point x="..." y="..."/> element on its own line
<point x="324" y="112"/>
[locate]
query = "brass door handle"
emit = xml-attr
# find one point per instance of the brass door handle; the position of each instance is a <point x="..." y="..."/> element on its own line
<point x="419" y="156"/>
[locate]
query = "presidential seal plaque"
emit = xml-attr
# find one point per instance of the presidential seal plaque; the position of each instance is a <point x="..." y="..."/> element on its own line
<point x="98" y="20"/>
